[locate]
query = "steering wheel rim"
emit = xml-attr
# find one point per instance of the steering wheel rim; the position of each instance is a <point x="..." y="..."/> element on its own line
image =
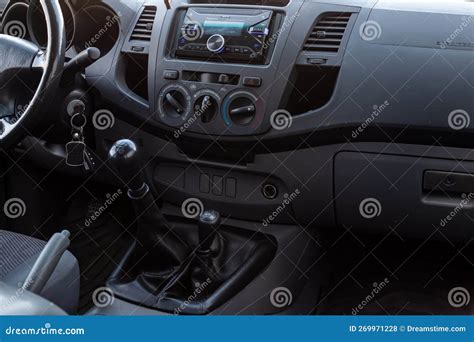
<point x="23" y="56"/>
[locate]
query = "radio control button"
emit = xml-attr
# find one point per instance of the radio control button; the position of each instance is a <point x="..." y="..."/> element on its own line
<point x="259" y="31"/>
<point x="216" y="43"/>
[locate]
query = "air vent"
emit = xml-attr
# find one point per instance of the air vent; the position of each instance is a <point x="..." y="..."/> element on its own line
<point x="144" y="26"/>
<point x="328" y="32"/>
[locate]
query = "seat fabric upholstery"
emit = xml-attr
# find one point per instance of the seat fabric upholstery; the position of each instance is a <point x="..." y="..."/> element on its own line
<point x="18" y="254"/>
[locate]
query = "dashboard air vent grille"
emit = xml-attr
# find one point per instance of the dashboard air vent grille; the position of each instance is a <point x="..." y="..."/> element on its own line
<point x="328" y="32"/>
<point x="144" y="26"/>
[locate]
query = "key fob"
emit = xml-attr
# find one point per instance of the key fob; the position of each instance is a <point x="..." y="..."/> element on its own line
<point x="75" y="153"/>
<point x="89" y="163"/>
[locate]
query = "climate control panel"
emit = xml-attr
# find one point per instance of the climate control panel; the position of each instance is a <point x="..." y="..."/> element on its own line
<point x="215" y="68"/>
<point x="213" y="109"/>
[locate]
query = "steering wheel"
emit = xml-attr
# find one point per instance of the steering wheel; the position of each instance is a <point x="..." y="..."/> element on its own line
<point x="18" y="56"/>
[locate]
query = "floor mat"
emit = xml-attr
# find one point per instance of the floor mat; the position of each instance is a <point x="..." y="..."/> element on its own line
<point x="390" y="276"/>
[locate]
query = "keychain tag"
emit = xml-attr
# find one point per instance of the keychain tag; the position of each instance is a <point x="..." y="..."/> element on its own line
<point x="75" y="153"/>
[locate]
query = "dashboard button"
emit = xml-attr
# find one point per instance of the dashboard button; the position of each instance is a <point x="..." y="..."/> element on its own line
<point x="204" y="183"/>
<point x="136" y="48"/>
<point x="217" y="185"/>
<point x="224" y="79"/>
<point x="230" y="187"/>
<point x="252" y="81"/>
<point x="170" y="74"/>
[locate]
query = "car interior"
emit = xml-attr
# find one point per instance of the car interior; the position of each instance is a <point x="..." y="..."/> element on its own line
<point x="234" y="157"/>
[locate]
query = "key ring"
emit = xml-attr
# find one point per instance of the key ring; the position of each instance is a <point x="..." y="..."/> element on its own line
<point x="75" y="117"/>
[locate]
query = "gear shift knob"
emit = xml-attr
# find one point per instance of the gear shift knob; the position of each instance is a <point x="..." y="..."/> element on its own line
<point x="209" y="221"/>
<point x="123" y="156"/>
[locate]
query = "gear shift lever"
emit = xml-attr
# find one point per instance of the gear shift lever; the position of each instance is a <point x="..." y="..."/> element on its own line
<point x="154" y="232"/>
<point x="209" y="221"/>
<point x="124" y="158"/>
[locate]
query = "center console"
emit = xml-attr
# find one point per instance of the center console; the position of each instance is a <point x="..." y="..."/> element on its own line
<point x="166" y="268"/>
<point x="216" y="68"/>
<point x="221" y="70"/>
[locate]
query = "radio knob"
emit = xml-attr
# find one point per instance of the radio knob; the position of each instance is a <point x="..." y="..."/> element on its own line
<point x="216" y="43"/>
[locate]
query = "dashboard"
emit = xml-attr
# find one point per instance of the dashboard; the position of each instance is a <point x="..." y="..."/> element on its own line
<point x="285" y="116"/>
<point x="278" y="69"/>
<point x="242" y="89"/>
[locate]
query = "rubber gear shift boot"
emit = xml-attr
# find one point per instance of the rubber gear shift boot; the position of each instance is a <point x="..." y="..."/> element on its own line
<point x="158" y="253"/>
<point x="210" y="280"/>
<point x="201" y="283"/>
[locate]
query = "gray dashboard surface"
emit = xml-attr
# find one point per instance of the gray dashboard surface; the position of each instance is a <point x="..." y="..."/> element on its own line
<point x="406" y="54"/>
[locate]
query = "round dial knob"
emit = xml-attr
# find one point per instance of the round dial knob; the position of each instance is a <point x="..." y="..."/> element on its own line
<point x="242" y="111"/>
<point x="206" y="105"/>
<point x="216" y="43"/>
<point x="174" y="104"/>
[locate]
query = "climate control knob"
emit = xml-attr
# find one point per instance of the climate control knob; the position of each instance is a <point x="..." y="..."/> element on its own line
<point x="206" y="105"/>
<point x="242" y="112"/>
<point x="216" y="43"/>
<point x="174" y="104"/>
<point x="242" y="108"/>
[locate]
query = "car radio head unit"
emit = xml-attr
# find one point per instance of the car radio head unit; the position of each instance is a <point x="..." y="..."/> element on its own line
<point x="230" y="35"/>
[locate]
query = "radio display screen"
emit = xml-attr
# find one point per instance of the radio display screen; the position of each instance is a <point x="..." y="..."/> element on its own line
<point x="227" y="28"/>
<point x="243" y="33"/>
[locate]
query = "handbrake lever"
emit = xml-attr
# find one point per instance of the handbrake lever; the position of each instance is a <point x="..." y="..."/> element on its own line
<point x="47" y="262"/>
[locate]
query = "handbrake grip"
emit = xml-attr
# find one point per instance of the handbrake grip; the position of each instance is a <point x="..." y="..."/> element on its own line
<point x="46" y="263"/>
